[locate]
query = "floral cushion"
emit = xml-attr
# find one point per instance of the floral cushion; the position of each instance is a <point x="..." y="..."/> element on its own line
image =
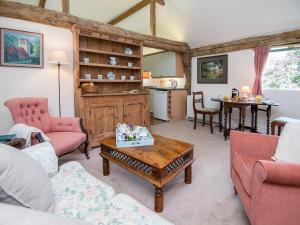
<point x="124" y="210"/>
<point x="81" y="196"/>
<point x="76" y="192"/>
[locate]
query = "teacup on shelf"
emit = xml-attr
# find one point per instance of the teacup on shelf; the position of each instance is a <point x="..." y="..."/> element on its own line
<point x="100" y="77"/>
<point x="132" y="77"/>
<point x="88" y="76"/>
<point x="123" y="77"/>
<point x="130" y="64"/>
<point x="86" y="60"/>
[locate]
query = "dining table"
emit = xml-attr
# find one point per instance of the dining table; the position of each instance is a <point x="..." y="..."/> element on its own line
<point x="227" y="106"/>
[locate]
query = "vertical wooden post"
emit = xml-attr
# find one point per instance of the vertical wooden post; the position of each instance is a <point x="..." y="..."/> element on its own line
<point x="65" y="6"/>
<point x="153" y="17"/>
<point x="42" y="3"/>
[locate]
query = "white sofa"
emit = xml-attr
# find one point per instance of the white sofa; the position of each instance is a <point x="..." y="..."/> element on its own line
<point x="30" y="193"/>
<point x="80" y="195"/>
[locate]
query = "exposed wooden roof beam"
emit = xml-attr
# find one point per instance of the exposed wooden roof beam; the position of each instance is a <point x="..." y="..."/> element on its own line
<point x="42" y="3"/>
<point x="65" y="6"/>
<point x="248" y="43"/>
<point x="161" y="2"/>
<point x="133" y="10"/>
<point x="129" y="12"/>
<point x="153" y="17"/>
<point x="59" y="19"/>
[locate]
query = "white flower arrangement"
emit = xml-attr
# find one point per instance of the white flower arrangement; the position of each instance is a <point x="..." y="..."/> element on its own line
<point x="131" y="133"/>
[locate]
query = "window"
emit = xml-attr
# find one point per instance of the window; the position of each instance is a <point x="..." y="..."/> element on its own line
<point x="282" y="69"/>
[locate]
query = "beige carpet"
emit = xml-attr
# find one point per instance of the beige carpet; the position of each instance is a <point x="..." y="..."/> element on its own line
<point x="209" y="200"/>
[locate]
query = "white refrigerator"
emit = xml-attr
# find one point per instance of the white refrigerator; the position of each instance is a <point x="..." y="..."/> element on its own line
<point x="160" y="105"/>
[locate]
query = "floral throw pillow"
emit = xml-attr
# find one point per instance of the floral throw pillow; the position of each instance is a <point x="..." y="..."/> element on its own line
<point x="45" y="155"/>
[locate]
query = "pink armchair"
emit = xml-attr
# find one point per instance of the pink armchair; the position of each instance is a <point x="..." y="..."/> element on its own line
<point x="66" y="134"/>
<point x="269" y="190"/>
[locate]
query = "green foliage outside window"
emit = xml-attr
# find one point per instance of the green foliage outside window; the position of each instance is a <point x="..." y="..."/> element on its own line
<point x="282" y="70"/>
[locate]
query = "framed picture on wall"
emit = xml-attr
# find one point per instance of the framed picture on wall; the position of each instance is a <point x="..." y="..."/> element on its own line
<point x="21" y="48"/>
<point x="212" y="70"/>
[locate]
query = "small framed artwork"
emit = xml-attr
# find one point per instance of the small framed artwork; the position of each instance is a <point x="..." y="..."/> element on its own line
<point x="212" y="70"/>
<point x="21" y="48"/>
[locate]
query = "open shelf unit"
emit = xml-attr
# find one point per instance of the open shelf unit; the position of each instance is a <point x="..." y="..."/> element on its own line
<point x="115" y="100"/>
<point x="98" y="48"/>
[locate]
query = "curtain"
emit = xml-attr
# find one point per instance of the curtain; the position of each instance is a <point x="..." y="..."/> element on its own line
<point x="260" y="58"/>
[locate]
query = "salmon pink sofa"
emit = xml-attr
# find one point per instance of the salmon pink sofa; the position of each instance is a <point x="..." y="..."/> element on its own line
<point x="269" y="190"/>
<point x="66" y="134"/>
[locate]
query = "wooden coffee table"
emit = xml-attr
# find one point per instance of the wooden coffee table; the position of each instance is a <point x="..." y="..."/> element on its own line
<point x="158" y="163"/>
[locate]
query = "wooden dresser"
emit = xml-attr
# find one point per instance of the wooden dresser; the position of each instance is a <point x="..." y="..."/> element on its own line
<point x="113" y="102"/>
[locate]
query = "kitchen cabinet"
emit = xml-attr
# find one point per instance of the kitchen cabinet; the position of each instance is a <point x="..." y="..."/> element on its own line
<point x="169" y="104"/>
<point x="165" y="64"/>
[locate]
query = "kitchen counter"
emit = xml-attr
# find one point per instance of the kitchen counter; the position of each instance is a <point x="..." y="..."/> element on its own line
<point x="165" y="89"/>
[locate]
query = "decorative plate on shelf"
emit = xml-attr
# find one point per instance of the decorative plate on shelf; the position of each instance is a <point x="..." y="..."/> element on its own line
<point x="111" y="75"/>
<point x="128" y="51"/>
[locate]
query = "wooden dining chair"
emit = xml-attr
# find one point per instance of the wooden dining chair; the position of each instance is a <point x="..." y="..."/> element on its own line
<point x="199" y="108"/>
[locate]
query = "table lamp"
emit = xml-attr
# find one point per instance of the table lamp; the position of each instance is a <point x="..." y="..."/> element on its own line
<point x="147" y="75"/>
<point x="59" y="58"/>
<point x="245" y="90"/>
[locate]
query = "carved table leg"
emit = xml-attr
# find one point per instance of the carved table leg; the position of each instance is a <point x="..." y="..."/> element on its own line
<point x="225" y="121"/>
<point x="229" y="121"/>
<point x="159" y="200"/>
<point x="188" y="175"/>
<point x="105" y="167"/>
<point x="220" y="117"/>
<point x="268" y="118"/>
<point x="243" y="114"/>
<point x="252" y="118"/>
<point x="240" y="119"/>
<point x="255" y="118"/>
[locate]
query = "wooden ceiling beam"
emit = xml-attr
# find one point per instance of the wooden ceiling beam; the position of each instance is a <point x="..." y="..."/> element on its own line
<point x="59" y="19"/>
<point x="161" y="2"/>
<point x="42" y="3"/>
<point x="248" y="43"/>
<point x="153" y="17"/>
<point x="133" y="10"/>
<point x="65" y="6"/>
<point x="129" y="12"/>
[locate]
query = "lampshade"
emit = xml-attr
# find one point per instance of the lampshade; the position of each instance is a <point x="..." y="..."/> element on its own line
<point x="58" y="57"/>
<point x="245" y="89"/>
<point x="147" y="75"/>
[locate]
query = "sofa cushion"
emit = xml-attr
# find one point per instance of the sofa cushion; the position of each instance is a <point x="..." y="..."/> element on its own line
<point x="16" y="215"/>
<point x="243" y="165"/>
<point x="76" y="191"/>
<point x="288" y="148"/>
<point x="23" y="180"/>
<point x="80" y="195"/>
<point x="124" y="210"/>
<point x="44" y="154"/>
<point x="63" y="142"/>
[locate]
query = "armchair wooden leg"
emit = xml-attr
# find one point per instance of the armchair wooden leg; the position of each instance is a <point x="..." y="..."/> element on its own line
<point x="203" y="120"/>
<point x="195" y="120"/>
<point x="86" y="151"/>
<point x="86" y="143"/>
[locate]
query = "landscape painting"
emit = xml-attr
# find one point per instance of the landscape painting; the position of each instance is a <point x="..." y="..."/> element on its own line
<point x="21" y="48"/>
<point x="212" y="70"/>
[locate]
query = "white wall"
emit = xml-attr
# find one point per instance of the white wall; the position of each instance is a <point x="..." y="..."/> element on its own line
<point x="30" y="82"/>
<point x="241" y="72"/>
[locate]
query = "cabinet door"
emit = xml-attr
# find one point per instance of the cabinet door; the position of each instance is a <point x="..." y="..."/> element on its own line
<point x="134" y="112"/>
<point x="104" y="118"/>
